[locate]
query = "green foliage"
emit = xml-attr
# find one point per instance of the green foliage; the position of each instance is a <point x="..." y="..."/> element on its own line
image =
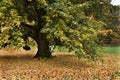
<point x="66" y="23"/>
<point x="72" y="27"/>
<point x="109" y="34"/>
<point x="9" y="23"/>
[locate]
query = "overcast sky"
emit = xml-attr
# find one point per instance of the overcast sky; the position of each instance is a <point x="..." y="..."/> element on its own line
<point x="115" y="2"/>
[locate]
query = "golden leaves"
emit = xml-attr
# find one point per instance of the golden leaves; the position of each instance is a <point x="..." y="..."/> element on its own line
<point x="105" y="32"/>
<point x="85" y="36"/>
<point x="55" y="15"/>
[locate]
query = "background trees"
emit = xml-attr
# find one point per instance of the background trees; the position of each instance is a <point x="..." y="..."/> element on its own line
<point x="110" y="34"/>
<point x="70" y="23"/>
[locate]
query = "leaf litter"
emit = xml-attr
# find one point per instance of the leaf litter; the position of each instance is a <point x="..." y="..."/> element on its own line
<point x="20" y="65"/>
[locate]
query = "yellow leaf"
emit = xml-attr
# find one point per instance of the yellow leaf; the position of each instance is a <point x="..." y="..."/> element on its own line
<point x="55" y="15"/>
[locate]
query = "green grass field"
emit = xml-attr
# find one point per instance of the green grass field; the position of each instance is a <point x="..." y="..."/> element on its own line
<point x="109" y="50"/>
<point x="102" y="50"/>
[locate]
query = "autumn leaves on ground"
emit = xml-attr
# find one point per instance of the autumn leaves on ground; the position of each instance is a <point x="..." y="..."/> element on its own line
<point x="20" y="65"/>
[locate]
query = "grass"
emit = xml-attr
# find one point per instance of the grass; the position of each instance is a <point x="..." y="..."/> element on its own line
<point x="20" y="65"/>
<point x="109" y="50"/>
<point x="102" y="50"/>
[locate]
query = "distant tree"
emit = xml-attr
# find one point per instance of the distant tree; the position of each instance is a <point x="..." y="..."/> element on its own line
<point x="70" y="23"/>
<point x="110" y="34"/>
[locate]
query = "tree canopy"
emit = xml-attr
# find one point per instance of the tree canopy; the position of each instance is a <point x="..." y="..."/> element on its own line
<point x="74" y="24"/>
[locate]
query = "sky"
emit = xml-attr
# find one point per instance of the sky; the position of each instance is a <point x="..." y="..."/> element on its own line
<point x="115" y="2"/>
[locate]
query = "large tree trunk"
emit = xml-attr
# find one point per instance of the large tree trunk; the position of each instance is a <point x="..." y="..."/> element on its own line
<point x="43" y="46"/>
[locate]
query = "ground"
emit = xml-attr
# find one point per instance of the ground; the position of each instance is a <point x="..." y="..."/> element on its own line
<point x="20" y="65"/>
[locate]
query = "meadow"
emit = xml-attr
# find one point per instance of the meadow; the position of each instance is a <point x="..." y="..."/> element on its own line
<point x="20" y="65"/>
<point x="109" y="50"/>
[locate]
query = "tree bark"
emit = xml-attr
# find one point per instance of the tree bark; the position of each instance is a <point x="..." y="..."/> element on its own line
<point x="43" y="46"/>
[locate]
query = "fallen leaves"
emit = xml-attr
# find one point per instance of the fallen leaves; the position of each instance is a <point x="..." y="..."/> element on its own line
<point x="20" y="65"/>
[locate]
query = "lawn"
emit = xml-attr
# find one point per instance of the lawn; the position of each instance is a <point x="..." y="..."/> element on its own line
<point x="101" y="50"/>
<point x="109" y="50"/>
<point x="20" y="65"/>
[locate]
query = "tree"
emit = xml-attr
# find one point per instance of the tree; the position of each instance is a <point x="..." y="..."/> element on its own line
<point x="110" y="33"/>
<point x="115" y="24"/>
<point x="53" y="22"/>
